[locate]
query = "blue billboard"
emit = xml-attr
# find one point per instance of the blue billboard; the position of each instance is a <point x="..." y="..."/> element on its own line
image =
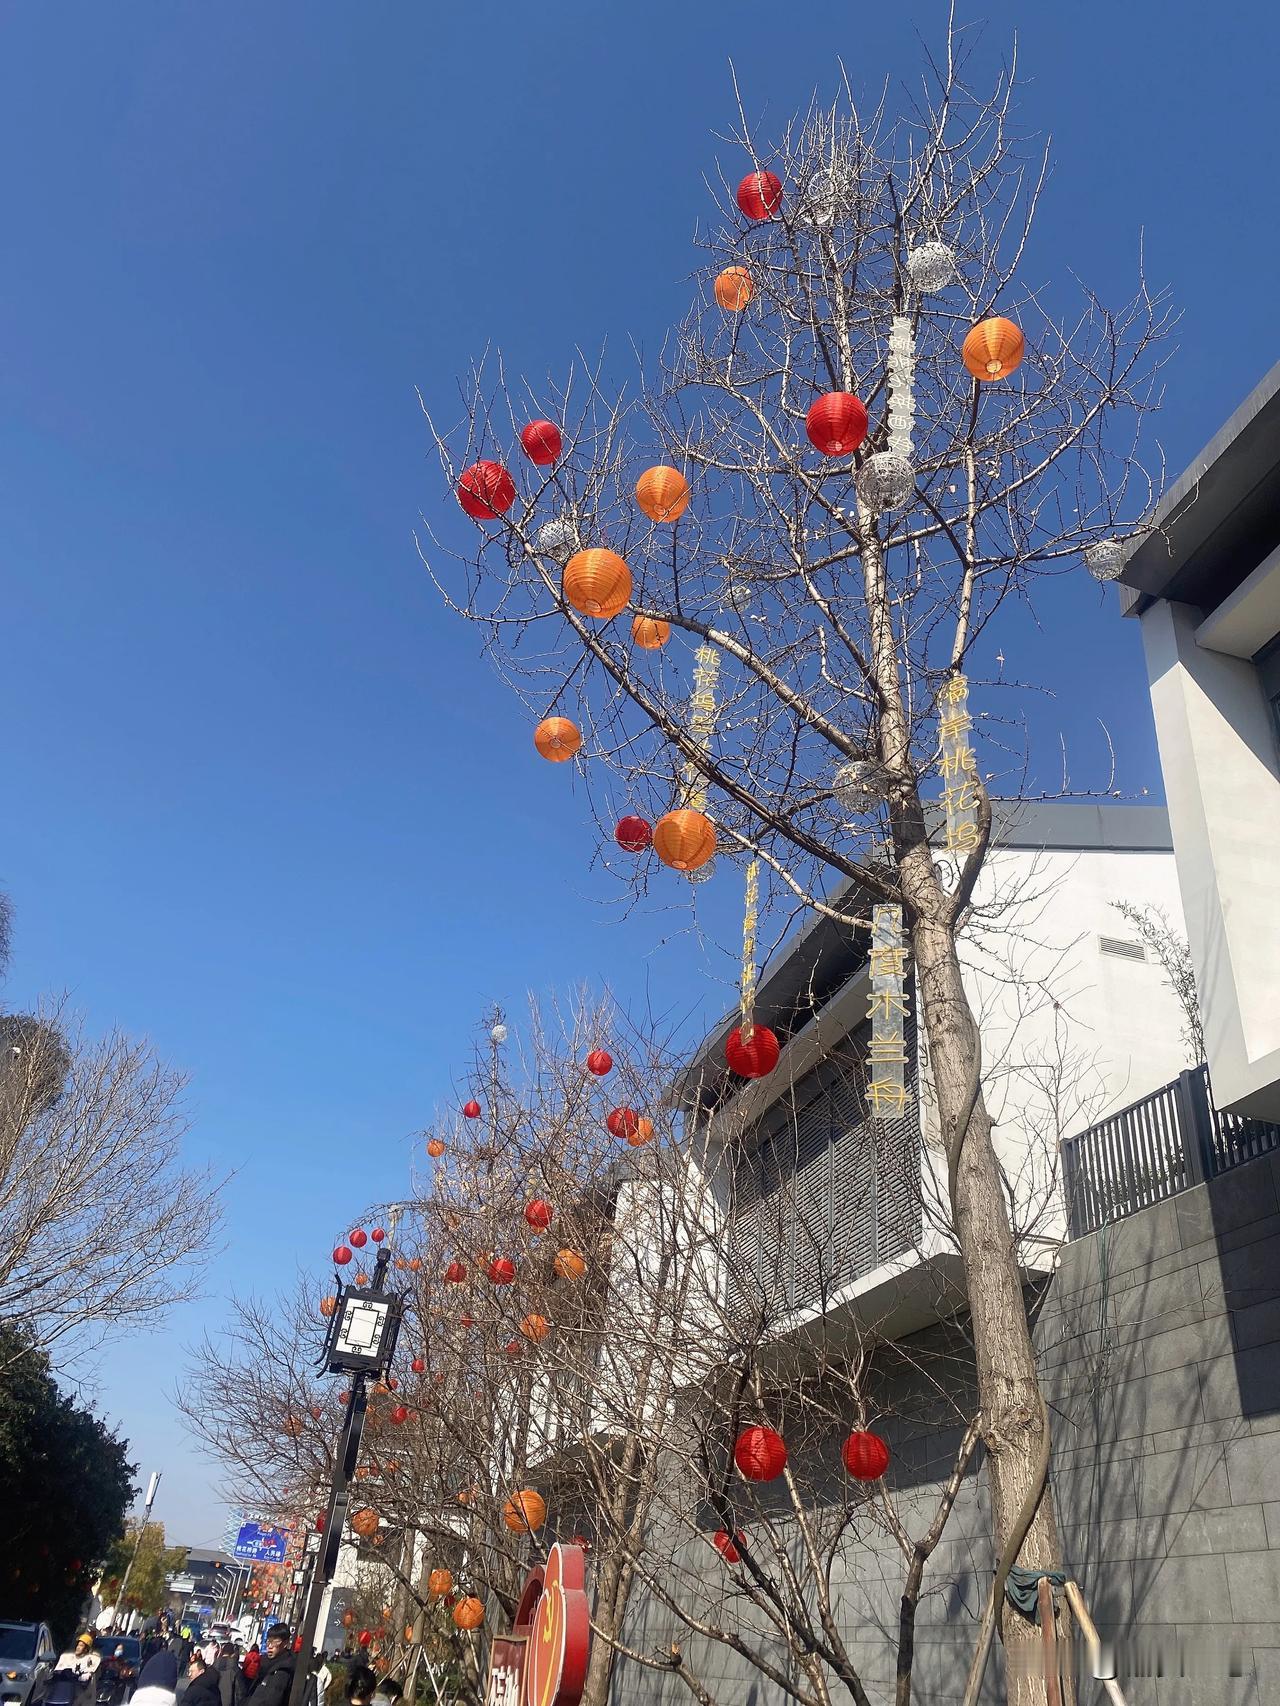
<point x="258" y="1545"/>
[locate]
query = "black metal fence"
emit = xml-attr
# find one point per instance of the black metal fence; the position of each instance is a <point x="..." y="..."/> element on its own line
<point x="1167" y="1142"/>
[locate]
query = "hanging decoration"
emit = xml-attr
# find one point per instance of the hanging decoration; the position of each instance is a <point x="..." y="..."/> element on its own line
<point x="455" y="1273"/>
<point x="620" y="1122"/>
<point x="959" y="765"/>
<point x="650" y="633"/>
<point x="537" y="1214"/>
<point x="557" y="739"/>
<point x="541" y="442"/>
<point x="498" y="1035"/>
<point x="887" y="1051"/>
<point x="400" y="1415"/>
<point x="886" y="480"/>
<point x="818" y="204"/>
<point x="993" y="349"/>
<point x="760" y="195"/>
<point x="641" y="1134"/>
<point x="365" y="1522"/>
<point x="865" y="1455"/>
<point x="435" y="1147"/>
<point x="751" y="1050"/>
<point x="902" y="384"/>
<point x="633" y="834"/>
<point x="468" y="1613"/>
<point x="378" y="1234"/>
<point x="726" y="1544"/>
<point x="931" y="266"/>
<point x="662" y="493"/>
<point x="358" y="1239"/>
<point x="557" y="539"/>
<point x="535" y="1328"/>
<point x="836" y="423"/>
<point x="600" y="1061"/>
<point x="341" y="1256"/>
<point x="684" y="839"/>
<point x="471" y="1110"/>
<point x="502" y="1270"/>
<point x="597" y="583"/>
<point x="486" y="491"/>
<point x="440" y="1582"/>
<point x="753" y="1056"/>
<point x="419" y="1365"/>
<point x="860" y="785"/>
<point x="525" y="1511"/>
<point x="328" y="1306"/>
<point x="760" y="1454"/>
<point x="734" y="289"/>
<point x="1105" y="560"/>
<point x="569" y="1264"/>
<point x="365" y="1637"/>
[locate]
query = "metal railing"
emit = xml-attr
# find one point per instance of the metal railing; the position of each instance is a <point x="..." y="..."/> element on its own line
<point x="1169" y="1141"/>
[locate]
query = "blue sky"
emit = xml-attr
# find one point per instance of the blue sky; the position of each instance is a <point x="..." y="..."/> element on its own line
<point x="265" y="803"/>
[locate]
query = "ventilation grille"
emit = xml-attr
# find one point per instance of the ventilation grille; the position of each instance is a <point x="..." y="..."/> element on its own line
<point x="1121" y="950"/>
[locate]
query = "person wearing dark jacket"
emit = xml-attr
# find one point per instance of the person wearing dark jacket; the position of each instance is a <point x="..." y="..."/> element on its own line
<point x="275" y="1679"/>
<point x="202" y="1682"/>
<point x="232" y="1686"/>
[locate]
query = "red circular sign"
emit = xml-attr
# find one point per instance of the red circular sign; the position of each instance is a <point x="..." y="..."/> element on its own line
<point x="555" y="1663"/>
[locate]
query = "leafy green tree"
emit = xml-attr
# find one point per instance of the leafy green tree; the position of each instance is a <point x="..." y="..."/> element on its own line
<point x="67" y="1484"/>
<point x="155" y="1562"/>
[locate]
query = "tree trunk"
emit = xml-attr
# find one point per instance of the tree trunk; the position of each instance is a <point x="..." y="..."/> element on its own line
<point x="606" y="1613"/>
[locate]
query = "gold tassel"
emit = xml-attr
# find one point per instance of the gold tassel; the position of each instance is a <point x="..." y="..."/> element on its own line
<point x="750" y="914"/>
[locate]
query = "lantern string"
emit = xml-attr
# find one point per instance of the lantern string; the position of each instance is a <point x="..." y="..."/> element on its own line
<point x="702" y="718"/>
<point x="750" y="915"/>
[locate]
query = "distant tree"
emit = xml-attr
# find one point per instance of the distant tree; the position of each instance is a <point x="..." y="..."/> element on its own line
<point x="155" y="1562"/>
<point x="67" y="1484"/>
<point x="1173" y="953"/>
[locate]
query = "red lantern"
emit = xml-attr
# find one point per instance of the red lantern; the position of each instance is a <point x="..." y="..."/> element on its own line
<point x="760" y="195"/>
<point x="723" y="1542"/>
<point x="359" y="1238"/>
<point x="760" y="1454"/>
<point x="541" y="442"/>
<point x="622" y="1122"/>
<point x="471" y="1110"/>
<point x="342" y="1255"/>
<point x="486" y="490"/>
<point x="377" y="1235"/>
<point x="633" y="834"/>
<point x="320" y="1523"/>
<point x="502" y="1270"/>
<point x="455" y="1273"/>
<point x="466" y="1320"/>
<point x="836" y="423"/>
<point x="600" y="1062"/>
<point x="418" y="1365"/>
<point x="538" y="1213"/>
<point x="392" y="1383"/>
<point x="756" y="1058"/>
<point x="514" y="1348"/>
<point x="866" y="1456"/>
<point x="364" y="1637"/>
<point x="400" y="1415"/>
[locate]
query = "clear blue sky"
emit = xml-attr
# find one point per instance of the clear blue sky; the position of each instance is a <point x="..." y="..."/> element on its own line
<point x="264" y="802"/>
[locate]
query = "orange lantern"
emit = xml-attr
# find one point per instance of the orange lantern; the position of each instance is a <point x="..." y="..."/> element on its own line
<point x="569" y="1264"/>
<point x="415" y="1263"/>
<point x="362" y="1279"/>
<point x="597" y="583"/>
<point x="650" y="633"/>
<point x="365" y="1521"/>
<point x="435" y="1148"/>
<point x="641" y="1134"/>
<point x="348" y="1618"/>
<point x="662" y="493"/>
<point x="327" y="1306"/>
<point x="466" y="1496"/>
<point x="684" y="839"/>
<point x="525" y="1511"/>
<point x="557" y="739"/>
<point x="408" y="1631"/>
<point x="993" y="349"/>
<point x="293" y="1426"/>
<point x="734" y="289"/>
<point x="535" y="1328"/>
<point x="468" y="1613"/>
<point x="440" y="1582"/>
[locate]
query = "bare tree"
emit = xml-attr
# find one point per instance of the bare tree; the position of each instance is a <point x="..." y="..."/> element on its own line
<point x="101" y="1222"/>
<point x="842" y="597"/>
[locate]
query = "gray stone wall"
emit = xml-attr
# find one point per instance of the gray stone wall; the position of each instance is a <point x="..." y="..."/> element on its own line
<point x="1160" y="1344"/>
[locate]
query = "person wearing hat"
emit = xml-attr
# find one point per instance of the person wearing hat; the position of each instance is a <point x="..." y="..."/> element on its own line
<point x="275" y="1679"/>
<point x="158" y="1683"/>
<point x="84" y="1661"/>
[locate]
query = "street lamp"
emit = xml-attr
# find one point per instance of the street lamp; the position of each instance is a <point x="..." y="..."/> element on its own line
<point x="152" y="1487"/>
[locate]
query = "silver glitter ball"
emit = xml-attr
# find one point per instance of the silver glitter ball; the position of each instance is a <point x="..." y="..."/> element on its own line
<point x="1105" y="560"/>
<point x="860" y="784"/>
<point x="557" y="539"/>
<point x="931" y="266"/>
<point x="886" y="480"/>
<point x="818" y="204"/>
<point x="498" y="1034"/>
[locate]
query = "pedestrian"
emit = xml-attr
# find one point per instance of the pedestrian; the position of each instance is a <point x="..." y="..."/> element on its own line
<point x="361" y="1683"/>
<point x="202" y="1682"/>
<point x="180" y="1649"/>
<point x="388" y="1692"/>
<point x="275" y="1677"/>
<point x="250" y="1668"/>
<point x="85" y="1662"/>
<point x="231" y="1683"/>
<point x="158" y="1683"/>
<point x="324" y="1678"/>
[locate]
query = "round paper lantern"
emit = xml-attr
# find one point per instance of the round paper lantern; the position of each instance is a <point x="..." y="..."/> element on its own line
<point x="650" y="633"/>
<point x="377" y="1234"/>
<point x="514" y="1348"/>
<point x="365" y="1521"/>
<point x="633" y="834"/>
<point x="358" y="1238"/>
<point x="408" y="1631"/>
<point x="1105" y="560"/>
<point x="600" y="1061"/>
<point x="557" y="539"/>
<point x="753" y="1058"/>
<point x="662" y="493"/>
<point x="569" y="1264"/>
<point x="993" y="349"/>
<point x="866" y="1456"/>
<point x="557" y="739"/>
<point x="364" y="1637"/>
<point x="435" y="1148"/>
<point x="541" y="442"/>
<point x="362" y="1279"/>
<point x="468" y="1613"/>
<point x="760" y="195"/>
<point x="724" y="1543"/>
<point x="342" y="1255"/>
<point x="684" y="839"/>
<point x="502" y="1270"/>
<point x="525" y="1511"/>
<point x="642" y="1134"/>
<point x="293" y="1426"/>
<point x="836" y="423"/>
<point x="734" y="289"/>
<point x="620" y="1122"/>
<point x="466" y="1320"/>
<point x="538" y="1214"/>
<point x="455" y="1273"/>
<point x="415" y="1264"/>
<point x="597" y="583"/>
<point x="327" y="1306"/>
<point x="760" y="1454"/>
<point x="316" y="1412"/>
<point x="931" y="266"/>
<point x="400" y="1415"/>
<point x="440" y="1582"/>
<point x="418" y="1365"/>
<point x="886" y="480"/>
<point x="535" y="1328"/>
<point x="486" y="491"/>
<point x="471" y="1110"/>
<point x="348" y="1618"/>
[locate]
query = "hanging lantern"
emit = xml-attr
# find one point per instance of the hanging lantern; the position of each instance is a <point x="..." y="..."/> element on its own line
<point x="642" y="1134"/>
<point x="931" y="266"/>
<point x="365" y="1637"/>
<point x="753" y="1054"/>
<point x="455" y="1273"/>
<point x="865" y="1455"/>
<point x="435" y="1147"/>
<point x="860" y="784"/>
<point x="535" y="1328"/>
<point x="327" y="1306"/>
<point x="557" y="739"/>
<point x="293" y="1426"/>
<point x="662" y="493"/>
<point x="419" y="1365"/>
<point x="538" y="1214"/>
<point x="600" y="1061"/>
<point x="684" y="839"/>
<point x="836" y="423"/>
<point x="597" y="583"/>
<point x="993" y="349"/>
<point x="818" y="203"/>
<point x="400" y="1415"/>
<point x="378" y="1234"/>
<point x="440" y="1582"/>
<point x="498" y="1035"/>
<point x="633" y="834"/>
<point x="760" y="195"/>
<point x="1105" y="560"/>
<point x="724" y="1543"/>
<point x="486" y="491"/>
<point x="525" y="1511"/>
<point x="415" y="1264"/>
<point x="886" y="480"/>
<point x="650" y="633"/>
<point x="468" y="1613"/>
<point x="760" y="1454"/>
<point x="557" y="539"/>
<point x="501" y="1270"/>
<point x="620" y="1121"/>
<point x="342" y="1255"/>
<point x="362" y="1279"/>
<point x="348" y="1618"/>
<point x="466" y="1320"/>
<point x="471" y="1110"/>
<point x="569" y="1264"/>
<point x="358" y="1238"/>
<point x="734" y="289"/>
<point x="541" y="442"/>
<point x="365" y="1522"/>
<point x="514" y="1348"/>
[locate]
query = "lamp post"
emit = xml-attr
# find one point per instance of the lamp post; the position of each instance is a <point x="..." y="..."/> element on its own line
<point x="361" y="1343"/>
<point x="152" y="1488"/>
